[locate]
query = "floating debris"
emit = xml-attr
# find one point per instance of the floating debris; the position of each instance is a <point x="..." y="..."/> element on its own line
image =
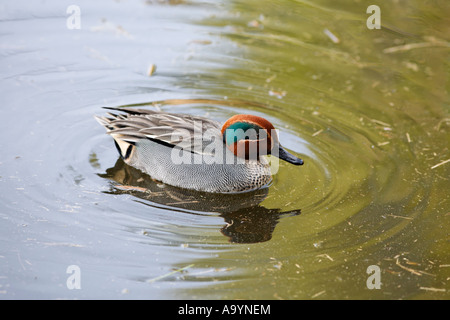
<point x="330" y="35"/>
<point x="257" y="24"/>
<point x="440" y="164"/>
<point x="413" y="271"/>
<point x="408" y="138"/>
<point x="411" y="65"/>
<point x="278" y="265"/>
<point x="131" y="188"/>
<point x="202" y="42"/>
<point x="430" y="42"/>
<point x="381" y="123"/>
<point x="396" y="216"/>
<point x="169" y="274"/>
<point x="417" y="273"/>
<point x="432" y="289"/>
<point x="318" y="244"/>
<point x="278" y="94"/>
<point x="318" y="294"/>
<point x="317" y="132"/>
<point x="151" y="70"/>
<point x="438" y="126"/>
<point x="324" y="255"/>
<point x="273" y="77"/>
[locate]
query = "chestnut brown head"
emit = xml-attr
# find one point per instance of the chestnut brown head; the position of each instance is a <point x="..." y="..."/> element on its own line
<point x="250" y="137"/>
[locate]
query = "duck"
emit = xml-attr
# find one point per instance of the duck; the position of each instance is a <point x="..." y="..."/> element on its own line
<point x="194" y="152"/>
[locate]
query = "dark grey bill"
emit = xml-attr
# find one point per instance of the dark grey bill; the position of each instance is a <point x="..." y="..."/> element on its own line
<point x="286" y="156"/>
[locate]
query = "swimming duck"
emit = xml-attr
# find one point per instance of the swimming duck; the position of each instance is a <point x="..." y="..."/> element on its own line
<point x="195" y="152"/>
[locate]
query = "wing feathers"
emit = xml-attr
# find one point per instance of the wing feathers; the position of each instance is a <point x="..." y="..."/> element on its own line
<point x="184" y="131"/>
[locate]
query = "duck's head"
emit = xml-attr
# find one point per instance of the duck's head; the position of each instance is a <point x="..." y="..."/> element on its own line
<point x="249" y="136"/>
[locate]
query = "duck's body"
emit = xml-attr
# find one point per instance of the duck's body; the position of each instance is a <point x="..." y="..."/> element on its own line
<point x="190" y="151"/>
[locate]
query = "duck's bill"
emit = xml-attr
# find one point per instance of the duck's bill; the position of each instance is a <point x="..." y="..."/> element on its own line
<point x="286" y="156"/>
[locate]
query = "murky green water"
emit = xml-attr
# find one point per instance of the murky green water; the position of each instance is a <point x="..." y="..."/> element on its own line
<point x="368" y="111"/>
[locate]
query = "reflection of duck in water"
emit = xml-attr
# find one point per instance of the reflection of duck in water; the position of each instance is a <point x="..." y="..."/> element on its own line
<point x="247" y="222"/>
<point x="197" y="153"/>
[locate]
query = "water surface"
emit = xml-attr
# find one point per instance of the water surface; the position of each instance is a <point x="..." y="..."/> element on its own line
<point x="368" y="111"/>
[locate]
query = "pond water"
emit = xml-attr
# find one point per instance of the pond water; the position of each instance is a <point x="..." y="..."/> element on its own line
<point x="367" y="110"/>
